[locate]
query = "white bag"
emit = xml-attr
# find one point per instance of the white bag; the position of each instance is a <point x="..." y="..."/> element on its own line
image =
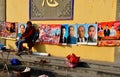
<point x="43" y="76"/>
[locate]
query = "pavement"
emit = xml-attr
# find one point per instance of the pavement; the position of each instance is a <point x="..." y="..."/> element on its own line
<point x="56" y="66"/>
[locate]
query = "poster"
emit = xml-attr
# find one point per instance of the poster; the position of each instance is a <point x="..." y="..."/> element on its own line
<point x="49" y="33"/>
<point x="21" y="29"/>
<point x="72" y="34"/>
<point x="109" y="34"/>
<point x="9" y="30"/>
<point x="82" y="34"/>
<point x="92" y="34"/>
<point x="63" y="34"/>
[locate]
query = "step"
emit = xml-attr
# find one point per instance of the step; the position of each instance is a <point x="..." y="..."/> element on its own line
<point x="59" y="71"/>
<point x="57" y="65"/>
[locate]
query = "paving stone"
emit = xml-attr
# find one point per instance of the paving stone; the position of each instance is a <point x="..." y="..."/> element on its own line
<point x="56" y="67"/>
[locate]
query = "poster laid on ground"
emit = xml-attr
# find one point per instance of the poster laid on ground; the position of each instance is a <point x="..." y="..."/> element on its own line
<point x="63" y="34"/>
<point x="49" y="33"/>
<point x="109" y="34"/>
<point x="9" y="30"/>
<point x="82" y="34"/>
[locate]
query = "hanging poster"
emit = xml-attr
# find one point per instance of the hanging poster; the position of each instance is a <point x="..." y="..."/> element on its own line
<point x="108" y="35"/>
<point x="82" y="34"/>
<point x="49" y="33"/>
<point x="9" y="29"/>
<point x="72" y="34"/>
<point x="63" y="34"/>
<point x="92" y="34"/>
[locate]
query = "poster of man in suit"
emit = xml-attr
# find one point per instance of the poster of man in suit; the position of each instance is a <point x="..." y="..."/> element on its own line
<point x="109" y="35"/>
<point x="82" y="39"/>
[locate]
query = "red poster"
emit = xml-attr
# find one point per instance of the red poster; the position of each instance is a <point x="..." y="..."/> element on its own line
<point x="49" y="33"/>
<point x="109" y="33"/>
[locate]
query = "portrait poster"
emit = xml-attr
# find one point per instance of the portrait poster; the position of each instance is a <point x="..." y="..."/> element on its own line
<point x="82" y="34"/>
<point x="51" y="9"/>
<point x="21" y="29"/>
<point x="49" y="33"/>
<point x="63" y="34"/>
<point x="109" y="35"/>
<point x="9" y="30"/>
<point x="72" y="35"/>
<point x="92" y="34"/>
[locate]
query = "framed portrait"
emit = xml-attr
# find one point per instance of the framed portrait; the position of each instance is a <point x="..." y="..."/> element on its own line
<point x="51" y="9"/>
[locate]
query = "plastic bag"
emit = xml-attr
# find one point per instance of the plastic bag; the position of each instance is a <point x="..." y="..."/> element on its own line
<point x="72" y="60"/>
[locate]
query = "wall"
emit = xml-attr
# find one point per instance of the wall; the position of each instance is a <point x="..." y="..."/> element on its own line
<point x="2" y="10"/>
<point x="85" y="11"/>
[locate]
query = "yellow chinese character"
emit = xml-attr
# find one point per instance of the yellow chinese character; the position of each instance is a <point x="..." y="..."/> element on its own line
<point x="51" y="3"/>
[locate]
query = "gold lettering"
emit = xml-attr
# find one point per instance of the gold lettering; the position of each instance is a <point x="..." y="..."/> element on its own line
<point x="52" y="3"/>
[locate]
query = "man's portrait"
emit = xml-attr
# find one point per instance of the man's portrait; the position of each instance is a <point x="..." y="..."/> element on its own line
<point x="81" y="34"/>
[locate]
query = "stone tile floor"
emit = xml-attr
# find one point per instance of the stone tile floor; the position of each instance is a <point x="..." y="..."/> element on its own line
<point x="5" y="74"/>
